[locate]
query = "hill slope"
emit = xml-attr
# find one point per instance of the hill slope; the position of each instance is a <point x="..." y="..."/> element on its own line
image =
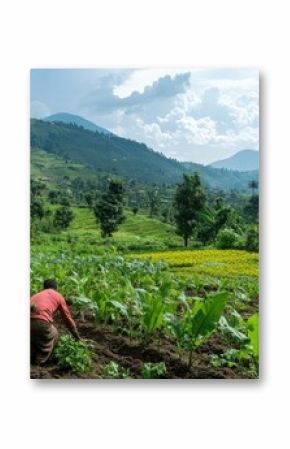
<point x="124" y="157"/>
<point x="244" y="160"/>
<point x="221" y="178"/>
<point x="64" y="117"/>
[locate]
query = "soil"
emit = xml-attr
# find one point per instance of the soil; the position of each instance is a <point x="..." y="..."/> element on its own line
<point x="108" y="345"/>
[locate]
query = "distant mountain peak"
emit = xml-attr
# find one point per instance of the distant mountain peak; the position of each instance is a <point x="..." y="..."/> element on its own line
<point x="244" y="160"/>
<point x="66" y="117"/>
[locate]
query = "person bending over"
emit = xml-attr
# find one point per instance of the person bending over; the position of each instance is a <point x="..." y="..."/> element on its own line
<point x="43" y="333"/>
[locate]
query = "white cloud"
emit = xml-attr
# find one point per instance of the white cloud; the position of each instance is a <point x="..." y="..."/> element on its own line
<point x="191" y="114"/>
<point x="140" y="79"/>
<point x="38" y="109"/>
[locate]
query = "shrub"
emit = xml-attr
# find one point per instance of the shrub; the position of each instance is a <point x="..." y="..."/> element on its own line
<point x="72" y="354"/>
<point x="252" y="240"/>
<point x="227" y="239"/>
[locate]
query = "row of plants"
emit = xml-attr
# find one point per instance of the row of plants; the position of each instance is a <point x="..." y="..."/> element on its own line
<point x="140" y="297"/>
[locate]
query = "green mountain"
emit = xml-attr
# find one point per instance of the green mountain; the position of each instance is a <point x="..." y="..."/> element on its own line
<point x="221" y="178"/>
<point x="242" y="161"/>
<point x="64" y="117"/>
<point x="108" y="153"/>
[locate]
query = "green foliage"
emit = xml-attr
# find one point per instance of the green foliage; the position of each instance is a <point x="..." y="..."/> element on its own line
<point x="53" y="196"/>
<point x="153" y="370"/>
<point x="154" y="202"/>
<point x="92" y="152"/>
<point x="63" y="217"/>
<point x="72" y="354"/>
<point x="252" y="239"/>
<point x="36" y="208"/>
<point x="253" y="333"/>
<point x="114" y="371"/>
<point x="64" y="201"/>
<point x="253" y="184"/>
<point x="251" y="210"/>
<point x="109" y="209"/>
<point x="231" y="358"/>
<point x="198" y="322"/>
<point x="227" y="239"/>
<point x="189" y="201"/>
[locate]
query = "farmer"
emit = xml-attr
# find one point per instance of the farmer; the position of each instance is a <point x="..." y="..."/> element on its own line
<point x="43" y="333"/>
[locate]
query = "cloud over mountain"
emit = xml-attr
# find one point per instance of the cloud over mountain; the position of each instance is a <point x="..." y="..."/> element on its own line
<point x="194" y="115"/>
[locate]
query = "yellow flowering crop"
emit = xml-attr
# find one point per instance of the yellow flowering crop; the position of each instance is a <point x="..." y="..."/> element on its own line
<point x="212" y="262"/>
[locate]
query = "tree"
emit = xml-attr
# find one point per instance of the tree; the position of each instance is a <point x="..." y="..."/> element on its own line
<point x="221" y="217"/>
<point x="253" y="185"/>
<point x="189" y="201"/>
<point x="109" y="209"/>
<point x="154" y="202"/>
<point x="36" y="187"/>
<point x="89" y="200"/>
<point x="251" y="210"/>
<point x="252" y="239"/>
<point x="53" y="196"/>
<point x="63" y="217"/>
<point x="64" y="201"/>
<point x="36" y="208"/>
<point x="227" y="239"/>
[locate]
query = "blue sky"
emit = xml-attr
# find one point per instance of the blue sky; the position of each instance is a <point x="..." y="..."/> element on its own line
<point x="199" y="115"/>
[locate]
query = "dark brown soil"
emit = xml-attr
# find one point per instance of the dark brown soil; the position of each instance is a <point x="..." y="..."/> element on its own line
<point x="110" y="346"/>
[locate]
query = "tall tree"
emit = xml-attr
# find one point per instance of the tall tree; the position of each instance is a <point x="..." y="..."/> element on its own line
<point x="253" y="185"/>
<point x="189" y="202"/>
<point x="153" y="201"/>
<point x="63" y="217"/>
<point x="109" y="209"/>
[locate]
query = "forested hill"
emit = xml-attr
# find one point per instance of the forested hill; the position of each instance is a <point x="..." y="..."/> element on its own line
<point x="109" y="153"/>
<point x="222" y="178"/>
<point x="124" y="157"/>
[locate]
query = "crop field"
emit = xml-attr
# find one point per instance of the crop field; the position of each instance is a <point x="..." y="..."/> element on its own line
<point x="222" y="263"/>
<point x="137" y="313"/>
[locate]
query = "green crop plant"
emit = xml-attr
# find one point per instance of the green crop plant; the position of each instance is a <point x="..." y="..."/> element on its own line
<point x="153" y="370"/>
<point x="72" y="354"/>
<point x="253" y="334"/>
<point x="198" y="323"/>
<point x="115" y="371"/>
<point x="152" y="317"/>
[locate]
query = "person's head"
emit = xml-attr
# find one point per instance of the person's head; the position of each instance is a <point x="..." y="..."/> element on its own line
<point x="50" y="283"/>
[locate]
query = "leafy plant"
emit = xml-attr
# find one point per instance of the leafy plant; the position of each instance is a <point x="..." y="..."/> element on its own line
<point x="72" y="354"/>
<point x="115" y="371"/>
<point x="253" y="333"/>
<point x="198" y="323"/>
<point x="227" y="239"/>
<point x="230" y="358"/>
<point x="153" y="370"/>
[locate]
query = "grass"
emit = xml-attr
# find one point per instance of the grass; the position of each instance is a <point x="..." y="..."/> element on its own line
<point x="53" y="168"/>
<point x="137" y="230"/>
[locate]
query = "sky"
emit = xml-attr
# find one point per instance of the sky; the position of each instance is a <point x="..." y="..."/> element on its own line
<point x="198" y="115"/>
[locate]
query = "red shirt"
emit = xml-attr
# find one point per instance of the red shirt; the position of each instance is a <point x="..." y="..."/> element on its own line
<point x="47" y="303"/>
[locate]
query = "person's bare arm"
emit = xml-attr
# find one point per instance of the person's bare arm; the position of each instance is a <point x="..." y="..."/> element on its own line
<point x="66" y="315"/>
